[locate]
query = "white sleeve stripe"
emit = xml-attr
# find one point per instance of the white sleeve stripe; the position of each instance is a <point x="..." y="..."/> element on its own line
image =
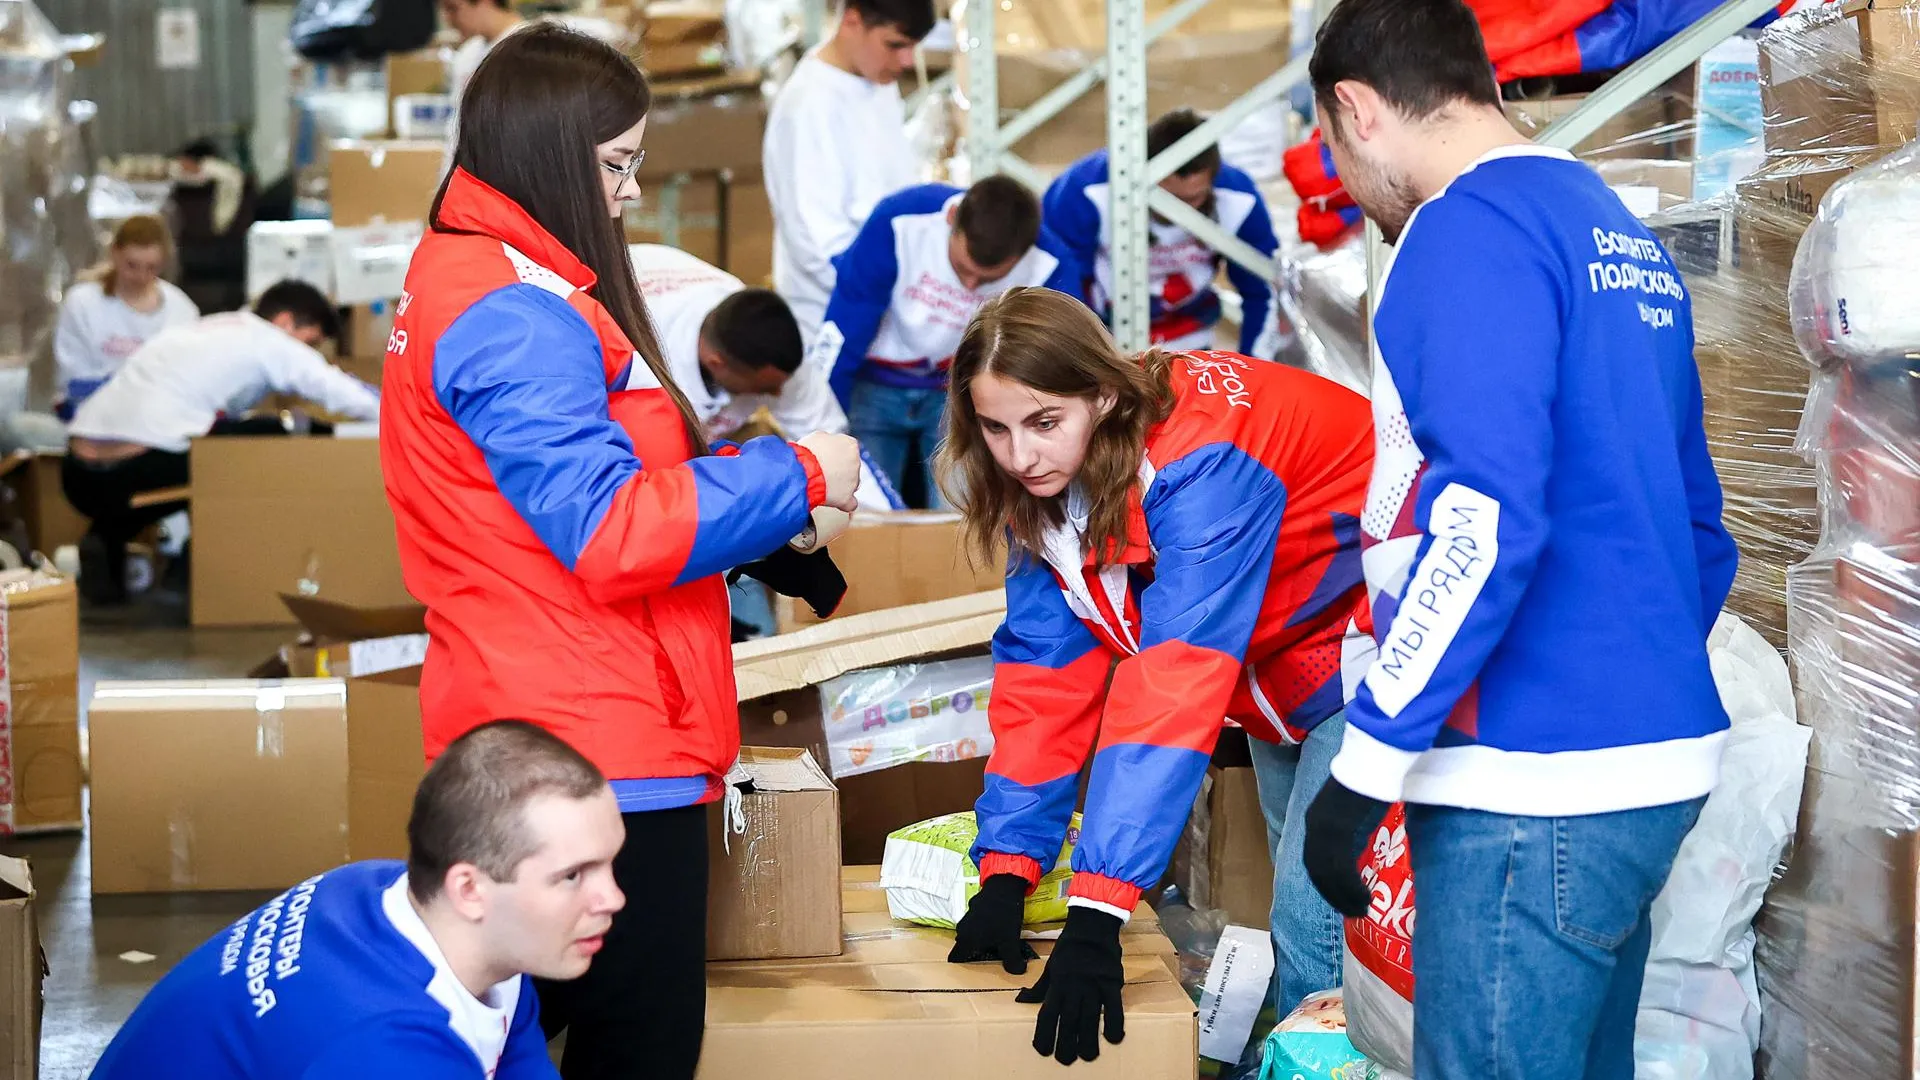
<point x="1438" y="596"/>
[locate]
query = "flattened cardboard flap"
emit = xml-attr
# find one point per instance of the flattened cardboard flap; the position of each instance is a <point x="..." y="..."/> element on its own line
<point x="779" y="768"/>
<point x="331" y="620"/>
<point x="818" y="653"/>
<point x="16" y="879"/>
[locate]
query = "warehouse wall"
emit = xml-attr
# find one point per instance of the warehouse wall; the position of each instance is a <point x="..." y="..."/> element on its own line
<point x="144" y="109"/>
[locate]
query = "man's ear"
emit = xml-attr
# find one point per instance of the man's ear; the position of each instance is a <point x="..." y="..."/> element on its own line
<point x="465" y="891"/>
<point x="1363" y="107"/>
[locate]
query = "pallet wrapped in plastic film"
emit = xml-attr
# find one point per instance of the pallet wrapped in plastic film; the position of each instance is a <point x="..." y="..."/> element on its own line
<point x="1837" y="951"/>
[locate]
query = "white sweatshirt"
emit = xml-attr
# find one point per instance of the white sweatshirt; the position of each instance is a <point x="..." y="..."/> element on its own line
<point x="681" y="291"/>
<point x="173" y="388"/>
<point x="97" y="332"/>
<point x="836" y="144"/>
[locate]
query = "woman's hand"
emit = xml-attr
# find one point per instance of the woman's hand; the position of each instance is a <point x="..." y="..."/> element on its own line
<point x="839" y="458"/>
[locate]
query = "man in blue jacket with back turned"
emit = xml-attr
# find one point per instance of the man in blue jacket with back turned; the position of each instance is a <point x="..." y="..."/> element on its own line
<point x="1543" y="545"/>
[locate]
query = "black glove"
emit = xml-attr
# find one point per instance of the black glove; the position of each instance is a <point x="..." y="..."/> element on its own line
<point x="1340" y="824"/>
<point x="990" y="930"/>
<point x="1082" y="980"/>
<point x="811" y="577"/>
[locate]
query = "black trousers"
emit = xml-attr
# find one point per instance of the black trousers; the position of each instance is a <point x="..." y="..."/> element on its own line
<point x="640" y="1011"/>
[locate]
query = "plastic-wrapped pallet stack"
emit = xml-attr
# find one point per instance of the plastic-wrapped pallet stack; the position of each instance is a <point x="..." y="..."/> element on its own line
<point x="1838" y="939"/>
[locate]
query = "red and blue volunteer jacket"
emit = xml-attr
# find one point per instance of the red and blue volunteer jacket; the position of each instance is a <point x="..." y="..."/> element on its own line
<point x="1180" y="269"/>
<point x="1238" y="595"/>
<point x="554" y="520"/>
<point x="1560" y="37"/>
<point x="898" y="310"/>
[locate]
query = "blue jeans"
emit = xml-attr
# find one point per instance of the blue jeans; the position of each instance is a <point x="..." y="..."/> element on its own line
<point x="1307" y="934"/>
<point x="1532" y="937"/>
<point x="899" y="429"/>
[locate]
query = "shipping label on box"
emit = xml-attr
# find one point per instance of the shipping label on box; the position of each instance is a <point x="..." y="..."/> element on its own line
<point x="370" y="261"/>
<point x="289" y="251"/>
<point x="423" y="116"/>
<point x="774" y="883"/>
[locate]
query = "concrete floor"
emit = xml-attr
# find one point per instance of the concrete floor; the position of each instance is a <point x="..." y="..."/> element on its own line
<point x="90" y="990"/>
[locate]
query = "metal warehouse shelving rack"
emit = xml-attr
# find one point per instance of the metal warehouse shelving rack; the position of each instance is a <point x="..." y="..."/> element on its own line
<point x="1135" y="179"/>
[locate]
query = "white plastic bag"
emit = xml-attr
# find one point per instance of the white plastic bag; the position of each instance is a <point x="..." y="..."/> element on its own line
<point x="889" y="716"/>
<point x="1700" y="1006"/>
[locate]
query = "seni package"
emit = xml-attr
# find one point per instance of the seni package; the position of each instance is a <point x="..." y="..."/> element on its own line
<point x="928" y="875"/>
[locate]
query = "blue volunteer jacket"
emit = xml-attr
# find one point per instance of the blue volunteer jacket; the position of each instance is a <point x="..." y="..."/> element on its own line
<point x="1542" y="534"/>
<point x="328" y="980"/>
<point x="1180" y="269"/>
<point x="898" y="310"/>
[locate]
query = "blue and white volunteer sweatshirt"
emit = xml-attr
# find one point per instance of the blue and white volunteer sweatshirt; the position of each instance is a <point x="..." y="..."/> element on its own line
<point x="336" y="977"/>
<point x="898" y="309"/>
<point x="1180" y="269"/>
<point x="1542" y="535"/>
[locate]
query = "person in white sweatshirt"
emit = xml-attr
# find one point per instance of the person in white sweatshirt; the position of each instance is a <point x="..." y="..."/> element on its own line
<point x="481" y="24"/>
<point x="734" y="350"/>
<point x="105" y="318"/>
<point x="836" y="144"/>
<point x="133" y="434"/>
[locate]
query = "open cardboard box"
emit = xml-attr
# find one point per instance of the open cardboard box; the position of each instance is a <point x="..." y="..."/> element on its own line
<point x="778" y="680"/>
<point x="890" y="998"/>
<point x="22" y="967"/>
<point x="40" y="769"/>
<point x="895" y="559"/>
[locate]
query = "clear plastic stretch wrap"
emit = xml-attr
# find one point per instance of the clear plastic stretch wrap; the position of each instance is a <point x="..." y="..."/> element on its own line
<point x="1838" y="949"/>
<point x="1323" y="294"/>
<point x="44" y="179"/>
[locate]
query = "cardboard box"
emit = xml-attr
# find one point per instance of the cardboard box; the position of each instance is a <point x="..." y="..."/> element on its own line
<point x="895" y="559"/>
<point x="370" y="261"/>
<point x="780" y="705"/>
<point x="386" y="757"/>
<point x="271" y="513"/>
<point x="682" y="36"/>
<point x="1658" y="126"/>
<point x="289" y="250"/>
<point x="683" y="212"/>
<point x="1843" y="79"/>
<point x="231" y="784"/>
<point x="387" y="181"/>
<point x="423" y="72"/>
<point x="749" y="253"/>
<point x="890" y="1000"/>
<point x="774" y="888"/>
<point x="40" y="769"/>
<point x="51" y="521"/>
<point x="22" y="967"/>
<point x="701" y="131"/>
<point x="342" y="641"/>
<point x="1236" y="875"/>
<point x="1648" y="186"/>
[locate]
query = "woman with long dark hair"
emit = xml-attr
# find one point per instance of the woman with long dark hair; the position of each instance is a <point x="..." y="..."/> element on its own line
<point x="1185" y="549"/>
<point x="562" y="522"/>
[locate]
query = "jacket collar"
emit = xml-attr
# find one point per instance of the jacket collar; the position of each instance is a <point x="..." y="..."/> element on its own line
<point x="473" y="206"/>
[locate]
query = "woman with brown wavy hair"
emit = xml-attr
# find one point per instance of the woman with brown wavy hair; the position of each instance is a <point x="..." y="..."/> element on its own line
<point x="1184" y="533"/>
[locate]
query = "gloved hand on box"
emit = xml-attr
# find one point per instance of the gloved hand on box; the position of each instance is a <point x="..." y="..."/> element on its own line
<point x="1080" y="985"/>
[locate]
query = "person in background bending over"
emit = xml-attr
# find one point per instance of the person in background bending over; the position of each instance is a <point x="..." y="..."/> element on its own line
<point x="1545" y="556"/>
<point x="415" y="970"/>
<point x="906" y="290"/>
<point x="836" y="144"/>
<point x="735" y="350"/>
<point x="132" y="435"/>
<point x="104" y="319"/>
<point x="1180" y="267"/>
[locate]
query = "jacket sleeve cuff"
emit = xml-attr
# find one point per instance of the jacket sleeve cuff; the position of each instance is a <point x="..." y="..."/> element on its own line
<point x="1018" y="865"/>
<point x="1111" y="895"/>
<point x="816" y="477"/>
<point x="1369" y="767"/>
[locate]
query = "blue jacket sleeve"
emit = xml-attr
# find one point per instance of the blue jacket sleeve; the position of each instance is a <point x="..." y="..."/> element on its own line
<point x="1049" y="678"/>
<point x="521" y="373"/>
<point x="1214" y="515"/>
<point x="1256" y="294"/>
<point x="1072" y="218"/>
<point x="1715" y="555"/>
<point x="1478" y="393"/>
<point x="862" y="293"/>
<point x="1069" y="272"/>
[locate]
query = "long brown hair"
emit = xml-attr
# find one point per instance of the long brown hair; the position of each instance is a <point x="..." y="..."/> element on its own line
<point x="1049" y="341"/>
<point x="529" y="121"/>
<point x="140" y="230"/>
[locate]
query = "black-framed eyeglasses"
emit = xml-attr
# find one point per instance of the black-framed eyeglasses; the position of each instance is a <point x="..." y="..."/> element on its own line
<point x="625" y="172"/>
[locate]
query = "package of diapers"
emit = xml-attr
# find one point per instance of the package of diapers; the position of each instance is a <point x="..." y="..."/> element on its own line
<point x="929" y="877"/>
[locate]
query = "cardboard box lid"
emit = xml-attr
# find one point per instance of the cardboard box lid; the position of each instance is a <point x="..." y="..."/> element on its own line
<point x="203" y="695"/>
<point x="332" y="620"/>
<point x="25" y="588"/>
<point x="818" y="653"/>
<point x="779" y="769"/>
<point x="16" y="879"/>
